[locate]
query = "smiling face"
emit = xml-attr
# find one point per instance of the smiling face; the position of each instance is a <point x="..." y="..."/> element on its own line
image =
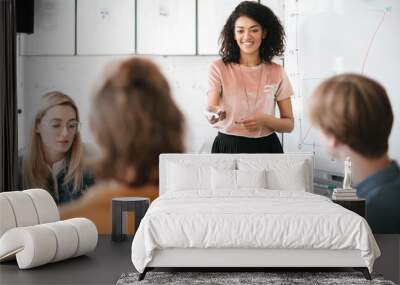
<point x="248" y="35"/>
<point x="57" y="130"/>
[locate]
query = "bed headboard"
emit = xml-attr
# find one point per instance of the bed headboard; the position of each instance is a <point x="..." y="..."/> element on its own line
<point x="236" y="159"/>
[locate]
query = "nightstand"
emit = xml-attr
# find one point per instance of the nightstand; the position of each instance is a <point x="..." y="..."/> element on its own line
<point x="358" y="206"/>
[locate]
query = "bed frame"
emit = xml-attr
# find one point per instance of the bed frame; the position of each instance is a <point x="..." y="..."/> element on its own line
<point x="247" y="259"/>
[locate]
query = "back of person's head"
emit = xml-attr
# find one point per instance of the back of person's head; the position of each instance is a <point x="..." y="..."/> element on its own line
<point x="272" y="45"/>
<point x="35" y="168"/>
<point x="134" y="119"/>
<point x="355" y="110"/>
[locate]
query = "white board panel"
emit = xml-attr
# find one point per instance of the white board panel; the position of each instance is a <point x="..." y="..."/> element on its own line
<point x="54" y="29"/>
<point x="105" y="27"/>
<point x="212" y="16"/>
<point x="78" y="77"/>
<point x="277" y="6"/>
<point x="166" y="27"/>
<point x="328" y="37"/>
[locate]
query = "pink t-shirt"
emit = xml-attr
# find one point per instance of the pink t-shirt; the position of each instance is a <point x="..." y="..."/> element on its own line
<point x="234" y="81"/>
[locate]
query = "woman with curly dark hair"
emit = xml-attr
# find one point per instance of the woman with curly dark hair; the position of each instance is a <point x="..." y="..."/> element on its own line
<point x="245" y="85"/>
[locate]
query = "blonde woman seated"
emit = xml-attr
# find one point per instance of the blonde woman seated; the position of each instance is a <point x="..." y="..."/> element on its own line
<point x="54" y="158"/>
<point x="134" y="119"/>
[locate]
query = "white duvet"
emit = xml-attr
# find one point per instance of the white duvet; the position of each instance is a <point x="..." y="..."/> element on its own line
<point x="250" y="219"/>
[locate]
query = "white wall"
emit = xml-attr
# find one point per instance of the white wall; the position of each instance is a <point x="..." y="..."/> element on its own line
<point x="77" y="75"/>
<point x="53" y="59"/>
<point x="335" y="36"/>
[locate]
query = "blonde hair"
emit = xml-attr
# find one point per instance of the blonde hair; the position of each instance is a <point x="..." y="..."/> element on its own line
<point x="35" y="170"/>
<point x="356" y="111"/>
<point x="135" y="119"/>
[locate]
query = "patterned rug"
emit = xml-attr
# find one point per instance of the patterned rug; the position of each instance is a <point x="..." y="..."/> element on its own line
<point x="270" y="278"/>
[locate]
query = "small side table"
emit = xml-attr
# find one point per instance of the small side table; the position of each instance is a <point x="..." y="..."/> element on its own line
<point x="138" y="205"/>
<point x="358" y="206"/>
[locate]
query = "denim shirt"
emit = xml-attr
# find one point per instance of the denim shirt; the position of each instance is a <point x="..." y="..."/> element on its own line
<point x="382" y="193"/>
<point x="65" y="190"/>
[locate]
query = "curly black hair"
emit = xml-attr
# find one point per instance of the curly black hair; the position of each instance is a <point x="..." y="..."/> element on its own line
<point x="272" y="45"/>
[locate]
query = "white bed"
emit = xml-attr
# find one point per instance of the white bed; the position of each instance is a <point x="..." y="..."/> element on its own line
<point x="247" y="210"/>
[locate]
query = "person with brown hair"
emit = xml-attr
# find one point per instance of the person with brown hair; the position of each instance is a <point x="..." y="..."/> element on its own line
<point x="355" y="117"/>
<point x="133" y="119"/>
<point x="54" y="158"/>
<point x="245" y="85"/>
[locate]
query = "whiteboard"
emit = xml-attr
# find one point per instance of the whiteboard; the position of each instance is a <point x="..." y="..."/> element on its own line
<point x="277" y="6"/>
<point x="105" y="27"/>
<point x="212" y="16"/>
<point x="166" y="27"/>
<point x="334" y="36"/>
<point x="54" y="29"/>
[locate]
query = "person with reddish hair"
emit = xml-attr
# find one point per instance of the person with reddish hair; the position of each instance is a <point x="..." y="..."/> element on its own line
<point x="133" y="119"/>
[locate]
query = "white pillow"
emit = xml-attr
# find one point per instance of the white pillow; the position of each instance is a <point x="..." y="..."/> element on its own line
<point x="292" y="179"/>
<point x="223" y="179"/>
<point x="251" y="178"/>
<point x="188" y="175"/>
<point x="226" y="179"/>
<point x="285" y="174"/>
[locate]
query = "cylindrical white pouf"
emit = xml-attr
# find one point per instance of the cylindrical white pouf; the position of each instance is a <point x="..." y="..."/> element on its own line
<point x="23" y="208"/>
<point x="67" y="239"/>
<point x="34" y="245"/>
<point x="7" y="218"/>
<point x="45" y="205"/>
<point x="87" y="234"/>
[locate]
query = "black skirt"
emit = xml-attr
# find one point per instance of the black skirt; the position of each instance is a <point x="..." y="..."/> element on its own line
<point x="224" y="143"/>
